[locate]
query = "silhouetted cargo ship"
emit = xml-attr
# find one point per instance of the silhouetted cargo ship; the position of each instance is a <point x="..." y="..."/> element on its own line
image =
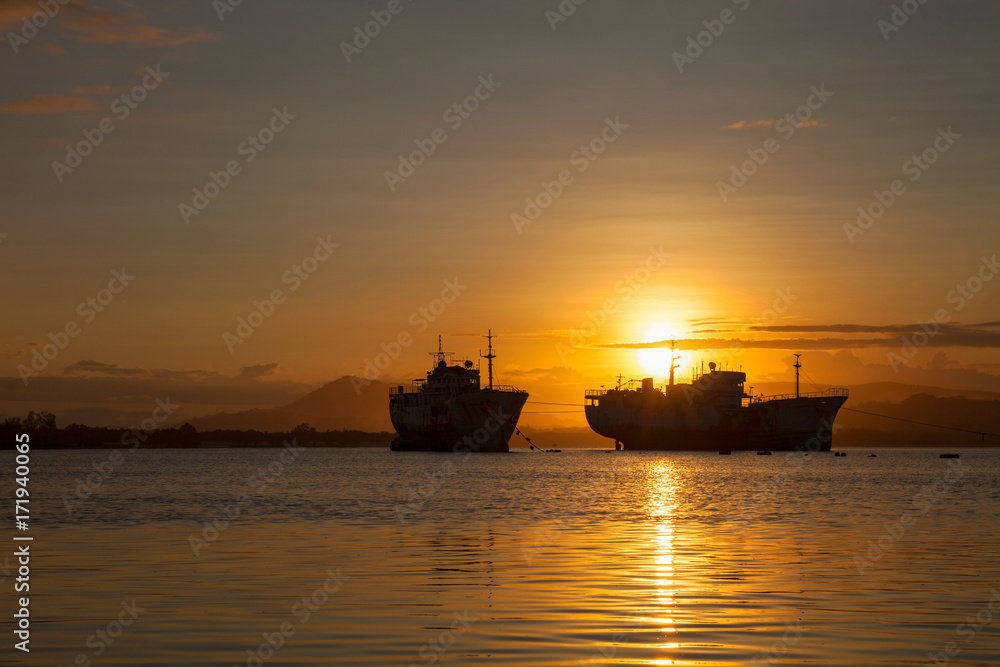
<point x="450" y="411"/>
<point x="713" y="412"/>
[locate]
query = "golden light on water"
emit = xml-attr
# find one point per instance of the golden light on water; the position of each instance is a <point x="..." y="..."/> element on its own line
<point x="662" y="508"/>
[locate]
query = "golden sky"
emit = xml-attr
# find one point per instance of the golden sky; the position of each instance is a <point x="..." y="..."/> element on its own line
<point x="635" y="172"/>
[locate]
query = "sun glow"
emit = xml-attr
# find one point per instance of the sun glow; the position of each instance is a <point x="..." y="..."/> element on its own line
<point x="656" y="360"/>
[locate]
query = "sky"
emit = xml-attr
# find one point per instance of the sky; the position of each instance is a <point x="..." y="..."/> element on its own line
<point x="585" y="180"/>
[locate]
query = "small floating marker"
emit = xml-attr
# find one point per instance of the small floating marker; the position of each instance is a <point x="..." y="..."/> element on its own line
<point x="724" y="452"/>
<point x="764" y="453"/>
<point x="951" y="456"/>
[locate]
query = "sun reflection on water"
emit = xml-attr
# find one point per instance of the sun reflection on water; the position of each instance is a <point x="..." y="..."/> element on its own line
<point x="662" y="508"/>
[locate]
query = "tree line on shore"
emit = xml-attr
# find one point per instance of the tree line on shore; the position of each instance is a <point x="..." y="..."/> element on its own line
<point x="45" y="433"/>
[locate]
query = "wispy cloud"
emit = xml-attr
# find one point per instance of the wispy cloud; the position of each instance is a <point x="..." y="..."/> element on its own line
<point x="92" y="368"/>
<point x="947" y="335"/>
<point x="98" y="89"/>
<point x="81" y="99"/>
<point x="84" y="23"/>
<point x="90" y="25"/>
<point x="51" y="104"/>
<point x="747" y="124"/>
<point x="744" y="124"/>
<point x="13" y="11"/>
<point x="258" y="371"/>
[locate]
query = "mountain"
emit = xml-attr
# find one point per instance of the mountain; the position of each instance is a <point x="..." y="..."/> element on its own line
<point x="334" y="406"/>
<point x="337" y="405"/>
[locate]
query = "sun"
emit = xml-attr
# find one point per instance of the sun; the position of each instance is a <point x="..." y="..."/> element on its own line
<point x="656" y="360"/>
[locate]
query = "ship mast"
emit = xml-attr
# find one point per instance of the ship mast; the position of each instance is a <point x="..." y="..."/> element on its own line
<point x="673" y="363"/>
<point x="797" y="367"/>
<point x="440" y="355"/>
<point x="489" y="356"/>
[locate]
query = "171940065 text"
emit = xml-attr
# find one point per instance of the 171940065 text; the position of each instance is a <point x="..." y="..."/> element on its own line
<point x="22" y="583"/>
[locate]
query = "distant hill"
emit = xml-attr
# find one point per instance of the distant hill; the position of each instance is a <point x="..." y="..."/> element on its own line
<point x="893" y="392"/>
<point x="337" y="405"/>
<point x="333" y="406"/>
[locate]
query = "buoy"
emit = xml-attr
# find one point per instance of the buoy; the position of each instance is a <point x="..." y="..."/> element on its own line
<point x="951" y="456"/>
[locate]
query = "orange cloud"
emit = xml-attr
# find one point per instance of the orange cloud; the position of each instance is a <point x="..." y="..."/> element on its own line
<point x="97" y="26"/>
<point x="50" y="104"/>
<point x="53" y="49"/>
<point x="741" y="124"/>
<point x="137" y="34"/>
<point x="91" y="25"/>
<point x="94" y="90"/>
<point x="12" y="11"/>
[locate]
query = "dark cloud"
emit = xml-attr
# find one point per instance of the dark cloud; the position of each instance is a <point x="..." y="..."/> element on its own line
<point x="945" y="335"/>
<point x="257" y="372"/>
<point x="93" y="368"/>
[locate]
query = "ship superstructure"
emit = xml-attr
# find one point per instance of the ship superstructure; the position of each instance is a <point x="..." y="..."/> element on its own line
<point x="713" y="412"/>
<point x="451" y="411"/>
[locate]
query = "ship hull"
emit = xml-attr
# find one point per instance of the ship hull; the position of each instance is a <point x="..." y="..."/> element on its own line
<point x="804" y="424"/>
<point x="480" y="421"/>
